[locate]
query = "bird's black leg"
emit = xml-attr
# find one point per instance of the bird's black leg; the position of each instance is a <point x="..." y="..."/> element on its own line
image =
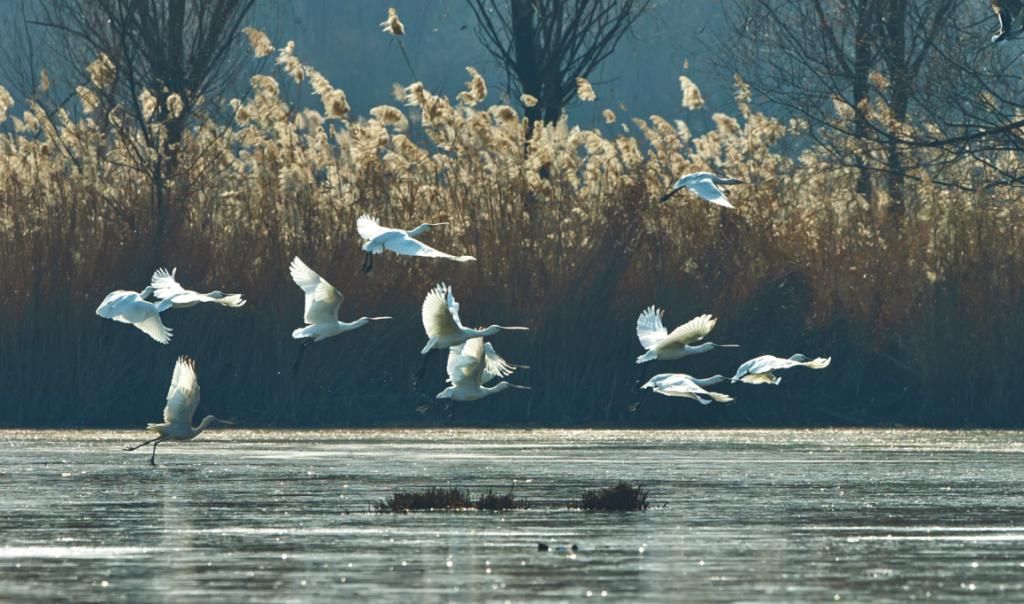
<point x="451" y="413"/>
<point x="298" y="357"/>
<point x="152" y="458"/>
<point x="131" y="448"/>
<point x="641" y="376"/>
<point x="423" y="368"/>
<point x="639" y="399"/>
<point x="369" y="260"/>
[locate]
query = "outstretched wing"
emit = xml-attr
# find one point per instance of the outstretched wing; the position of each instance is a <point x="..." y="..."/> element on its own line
<point x="709" y="191"/>
<point x="441" y="312"/>
<point x="322" y="299"/>
<point x="649" y="327"/>
<point x="407" y="246"/>
<point x="693" y="330"/>
<point x="369" y="228"/>
<point x="165" y="285"/>
<point x="183" y="395"/>
<point x="153" y="327"/>
<point x="494" y="366"/>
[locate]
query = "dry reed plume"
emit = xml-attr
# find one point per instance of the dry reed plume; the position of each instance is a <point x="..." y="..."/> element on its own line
<point x="567" y="232"/>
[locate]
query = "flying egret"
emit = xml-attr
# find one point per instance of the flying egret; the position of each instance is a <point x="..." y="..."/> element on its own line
<point x="680" y="384"/>
<point x="473" y="365"/>
<point x="166" y="287"/>
<point x="182" y="400"/>
<point x="133" y="308"/>
<point x="1007" y="11"/>
<point x="379" y="238"/>
<point x="760" y="370"/>
<point x="321" y="315"/>
<point x="704" y="184"/>
<point x="444" y="327"/>
<point x="322" y="303"/>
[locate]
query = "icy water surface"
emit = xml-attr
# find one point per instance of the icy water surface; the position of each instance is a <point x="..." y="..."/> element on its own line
<point x="774" y="515"/>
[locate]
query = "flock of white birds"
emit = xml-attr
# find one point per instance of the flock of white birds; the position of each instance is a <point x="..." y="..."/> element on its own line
<point x="473" y="364"/>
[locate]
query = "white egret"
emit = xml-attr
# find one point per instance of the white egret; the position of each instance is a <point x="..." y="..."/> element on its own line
<point x="379" y="238"/>
<point x="704" y="184"/>
<point x="683" y="385"/>
<point x="444" y="327"/>
<point x="322" y="303"/>
<point x="182" y="400"/>
<point x="665" y="346"/>
<point x="1007" y="11"/>
<point x="166" y="287"/>
<point x="760" y="370"/>
<point x="133" y="308"/>
<point x="473" y="365"/>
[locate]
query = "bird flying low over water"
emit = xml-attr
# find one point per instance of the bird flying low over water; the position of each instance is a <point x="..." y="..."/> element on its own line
<point x="473" y="365"/>
<point x="133" y="308"/>
<point x="166" y="287"/>
<point x="379" y="238"/>
<point x="665" y="346"/>
<point x="682" y="385"/>
<point x="322" y="303"/>
<point x="1007" y="11"/>
<point x="760" y="370"/>
<point x="182" y="400"/>
<point x="704" y="184"/>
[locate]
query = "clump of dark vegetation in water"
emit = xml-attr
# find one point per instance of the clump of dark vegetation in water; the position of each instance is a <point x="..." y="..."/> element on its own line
<point x="622" y="497"/>
<point x="500" y="503"/>
<point x="434" y="499"/>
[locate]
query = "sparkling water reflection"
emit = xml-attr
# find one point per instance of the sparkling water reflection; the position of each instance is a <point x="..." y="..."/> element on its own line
<point x="739" y="515"/>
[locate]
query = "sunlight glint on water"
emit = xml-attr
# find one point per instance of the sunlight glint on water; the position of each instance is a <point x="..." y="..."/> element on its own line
<point x="764" y="515"/>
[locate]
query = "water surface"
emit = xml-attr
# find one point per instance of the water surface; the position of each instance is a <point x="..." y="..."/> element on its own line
<point x="772" y="515"/>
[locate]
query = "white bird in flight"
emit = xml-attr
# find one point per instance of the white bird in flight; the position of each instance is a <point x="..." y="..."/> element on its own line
<point x="133" y="308"/>
<point x="322" y="303"/>
<point x="760" y="370"/>
<point x="166" y="287"/>
<point x="182" y="400"/>
<point x="442" y="323"/>
<point x="473" y="365"/>
<point x="1007" y="11"/>
<point x="379" y="238"/>
<point x="443" y="326"/>
<point x="704" y="184"/>
<point x="683" y="385"/>
<point x="665" y="346"/>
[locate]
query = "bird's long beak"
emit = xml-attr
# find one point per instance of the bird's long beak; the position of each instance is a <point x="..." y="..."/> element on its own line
<point x="226" y="422"/>
<point x="666" y="196"/>
<point x="379" y="318"/>
<point x="517" y="386"/>
<point x="436" y="224"/>
<point x="515" y="329"/>
<point x="725" y="345"/>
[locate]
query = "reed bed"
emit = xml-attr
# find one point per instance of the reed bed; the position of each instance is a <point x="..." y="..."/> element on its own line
<point x="921" y="314"/>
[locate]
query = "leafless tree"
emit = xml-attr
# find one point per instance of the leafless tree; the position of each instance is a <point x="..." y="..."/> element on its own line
<point x="806" y="56"/>
<point x="188" y="50"/>
<point x="547" y="44"/>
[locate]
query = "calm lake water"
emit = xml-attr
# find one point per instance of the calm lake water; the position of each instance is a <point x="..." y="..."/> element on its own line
<point x="768" y="515"/>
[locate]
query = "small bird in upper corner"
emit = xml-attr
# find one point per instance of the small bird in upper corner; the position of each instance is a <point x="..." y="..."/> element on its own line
<point x="706" y="185"/>
<point x="1007" y="11"/>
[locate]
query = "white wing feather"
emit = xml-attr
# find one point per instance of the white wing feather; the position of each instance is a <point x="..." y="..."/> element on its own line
<point x="183" y="395"/>
<point x="165" y="285"/>
<point x="649" y="327"/>
<point x="693" y="330"/>
<point x="153" y="327"/>
<point x="440" y="313"/>
<point x="709" y="191"/>
<point x="322" y="299"/>
<point x="407" y="246"/>
<point x="369" y="228"/>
